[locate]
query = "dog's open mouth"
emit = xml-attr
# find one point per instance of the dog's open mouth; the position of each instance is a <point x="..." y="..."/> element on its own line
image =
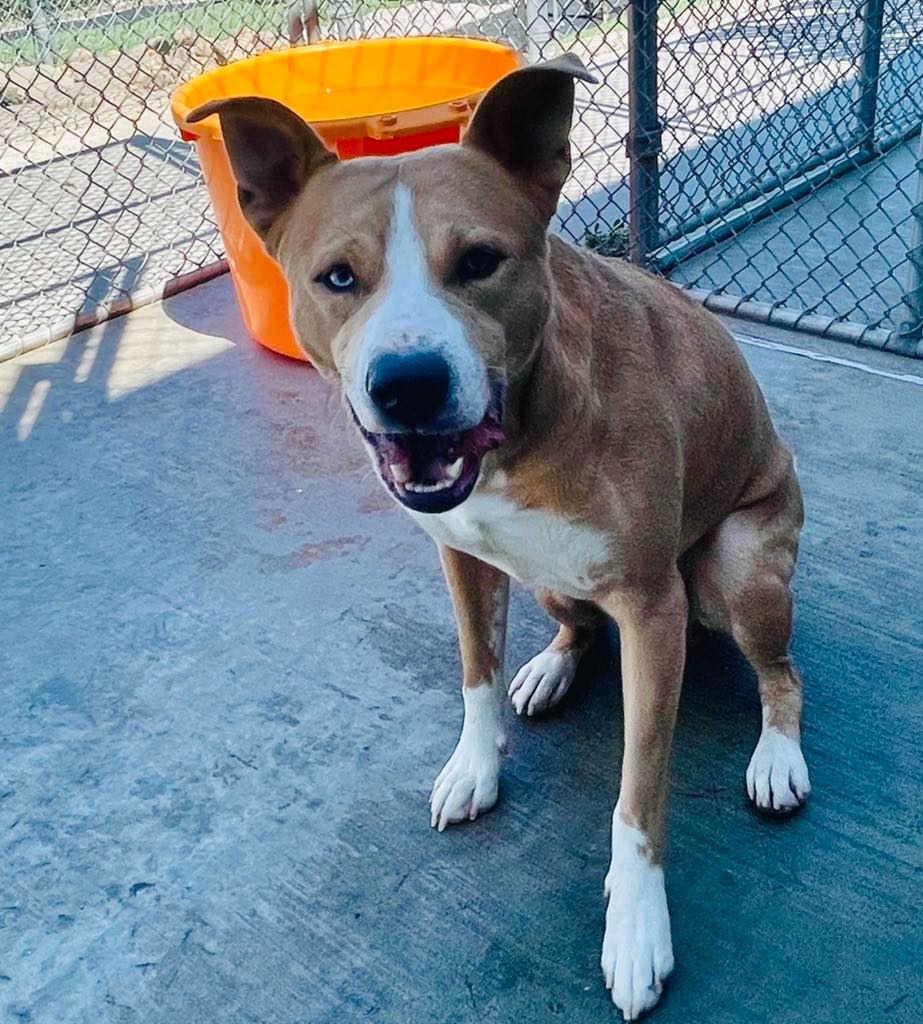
<point x="435" y="472"/>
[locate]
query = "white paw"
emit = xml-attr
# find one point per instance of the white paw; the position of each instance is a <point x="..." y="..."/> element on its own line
<point x="543" y="681"/>
<point x="637" y="953"/>
<point x="777" y="776"/>
<point x="466" y="787"/>
<point x="468" y="784"/>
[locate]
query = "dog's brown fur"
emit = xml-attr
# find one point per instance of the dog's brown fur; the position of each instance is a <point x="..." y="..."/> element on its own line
<point x="629" y="408"/>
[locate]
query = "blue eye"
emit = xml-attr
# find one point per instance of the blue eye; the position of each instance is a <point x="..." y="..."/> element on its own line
<point x="339" y="278"/>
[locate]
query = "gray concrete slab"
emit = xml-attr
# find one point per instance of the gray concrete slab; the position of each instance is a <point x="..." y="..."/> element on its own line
<point x="229" y="676"/>
<point x="840" y="252"/>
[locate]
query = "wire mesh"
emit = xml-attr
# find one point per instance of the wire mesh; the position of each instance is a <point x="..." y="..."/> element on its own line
<point x="772" y="156"/>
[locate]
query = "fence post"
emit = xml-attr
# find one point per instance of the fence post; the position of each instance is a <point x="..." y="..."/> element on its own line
<point x="869" y="72"/>
<point x="643" y="141"/>
<point x="40" y="25"/>
<point x="910" y="333"/>
<point x="539" y="17"/>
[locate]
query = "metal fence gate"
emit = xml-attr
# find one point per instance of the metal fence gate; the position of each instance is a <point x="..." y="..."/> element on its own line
<point x="764" y="153"/>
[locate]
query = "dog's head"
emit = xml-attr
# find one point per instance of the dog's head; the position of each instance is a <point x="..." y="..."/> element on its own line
<point x="420" y="281"/>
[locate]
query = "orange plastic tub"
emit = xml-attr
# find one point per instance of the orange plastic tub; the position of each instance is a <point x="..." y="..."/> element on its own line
<point x="368" y="97"/>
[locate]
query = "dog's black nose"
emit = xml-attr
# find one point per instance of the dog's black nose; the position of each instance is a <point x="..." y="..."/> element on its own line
<point x="409" y="390"/>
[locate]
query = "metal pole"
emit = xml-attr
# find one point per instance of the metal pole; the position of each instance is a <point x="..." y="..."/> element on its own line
<point x="539" y="18"/>
<point x="643" y="142"/>
<point x="909" y="336"/>
<point x="869" y="72"/>
<point x="41" y="27"/>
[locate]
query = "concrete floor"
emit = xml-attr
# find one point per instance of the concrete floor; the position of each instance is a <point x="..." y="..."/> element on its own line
<point x="842" y="251"/>
<point x="229" y="677"/>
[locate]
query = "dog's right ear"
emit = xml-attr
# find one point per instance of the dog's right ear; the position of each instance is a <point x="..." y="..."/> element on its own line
<point x="272" y="153"/>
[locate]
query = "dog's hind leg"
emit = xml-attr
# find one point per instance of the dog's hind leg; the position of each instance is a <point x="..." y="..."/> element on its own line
<point x="468" y="784"/>
<point x="741" y="579"/>
<point x="542" y="682"/>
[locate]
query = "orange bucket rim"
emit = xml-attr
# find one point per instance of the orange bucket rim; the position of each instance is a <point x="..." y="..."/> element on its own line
<point x="210" y="128"/>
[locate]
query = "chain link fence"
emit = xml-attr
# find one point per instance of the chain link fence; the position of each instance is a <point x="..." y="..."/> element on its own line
<point x="765" y="154"/>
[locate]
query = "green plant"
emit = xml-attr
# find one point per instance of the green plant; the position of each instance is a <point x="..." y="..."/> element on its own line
<point x="607" y="241"/>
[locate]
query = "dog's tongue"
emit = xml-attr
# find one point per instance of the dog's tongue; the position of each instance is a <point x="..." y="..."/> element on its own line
<point x="434" y="458"/>
<point x="486" y="436"/>
<point x="416" y="457"/>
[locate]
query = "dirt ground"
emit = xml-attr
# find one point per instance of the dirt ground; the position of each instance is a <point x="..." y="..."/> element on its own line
<point x="89" y="99"/>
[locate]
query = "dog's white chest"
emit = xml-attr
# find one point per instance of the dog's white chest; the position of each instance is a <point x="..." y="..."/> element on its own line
<point x="535" y="546"/>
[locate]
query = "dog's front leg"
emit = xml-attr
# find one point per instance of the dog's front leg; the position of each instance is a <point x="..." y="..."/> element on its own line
<point x="637" y="952"/>
<point x="467" y="785"/>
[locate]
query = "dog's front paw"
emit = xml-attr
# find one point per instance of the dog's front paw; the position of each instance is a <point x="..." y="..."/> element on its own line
<point x="543" y="681"/>
<point x="469" y="783"/>
<point x="777" y="776"/>
<point x="637" y="953"/>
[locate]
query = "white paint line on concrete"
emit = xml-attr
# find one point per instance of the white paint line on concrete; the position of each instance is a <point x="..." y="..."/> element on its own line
<point x="820" y="357"/>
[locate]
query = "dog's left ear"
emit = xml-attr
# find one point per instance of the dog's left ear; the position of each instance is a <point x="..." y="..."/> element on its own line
<point x="524" y="122"/>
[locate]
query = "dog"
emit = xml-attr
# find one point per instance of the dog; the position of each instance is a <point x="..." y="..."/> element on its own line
<point x="553" y="416"/>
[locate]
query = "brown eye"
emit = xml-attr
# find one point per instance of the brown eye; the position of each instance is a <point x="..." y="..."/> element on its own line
<point x="339" y="278"/>
<point x="477" y="263"/>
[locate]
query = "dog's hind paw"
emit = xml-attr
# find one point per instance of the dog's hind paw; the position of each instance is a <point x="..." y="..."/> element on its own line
<point x="542" y="682"/>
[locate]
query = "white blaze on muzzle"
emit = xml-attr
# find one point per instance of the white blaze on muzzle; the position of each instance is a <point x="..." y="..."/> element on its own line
<point x="408" y="316"/>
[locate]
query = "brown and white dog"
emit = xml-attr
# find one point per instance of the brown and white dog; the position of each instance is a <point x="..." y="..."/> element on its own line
<point x="553" y="416"/>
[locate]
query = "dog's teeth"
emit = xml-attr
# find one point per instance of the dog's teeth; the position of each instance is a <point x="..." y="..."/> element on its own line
<point x="400" y="473"/>
<point x="429" y="488"/>
<point x="453" y="472"/>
